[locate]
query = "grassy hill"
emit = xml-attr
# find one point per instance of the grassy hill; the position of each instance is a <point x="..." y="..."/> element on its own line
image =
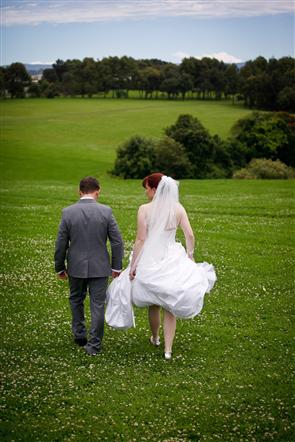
<point x="68" y="138"/>
<point x="231" y="375"/>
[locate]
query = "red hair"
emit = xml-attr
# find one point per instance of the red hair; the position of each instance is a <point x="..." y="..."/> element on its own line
<point x="152" y="180"/>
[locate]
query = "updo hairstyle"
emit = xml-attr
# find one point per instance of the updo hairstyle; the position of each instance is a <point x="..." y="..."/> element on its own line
<point x="152" y="180"/>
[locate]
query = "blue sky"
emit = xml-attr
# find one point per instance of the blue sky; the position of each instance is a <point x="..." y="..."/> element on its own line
<point x="232" y="30"/>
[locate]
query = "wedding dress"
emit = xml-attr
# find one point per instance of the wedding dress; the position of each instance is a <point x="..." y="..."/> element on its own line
<point x="165" y="275"/>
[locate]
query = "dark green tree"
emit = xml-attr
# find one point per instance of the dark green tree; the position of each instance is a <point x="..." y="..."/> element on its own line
<point x="70" y="85"/>
<point x="171" y="86"/>
<point x="60" y="68"/>
<point x="231" y="86"/>
<point x="262" y="83"/>
<point x="34" y="90"/>
<point x="135" y="158"/>
<point x="286" y="99"/>
<point x="198" y="143"/>
<point x="51" y="90"/>
<point x="150" y="79"/>
<point x="186" y="84"/>
<point x="171" y="159"/>
<point x="87" y="77"/>
<point x="50" y="75"/>
<point x="17" y="79"/>
<point x="104" y="77"/>
<point x="2" y="81"/>
<point x="266" y="135"/>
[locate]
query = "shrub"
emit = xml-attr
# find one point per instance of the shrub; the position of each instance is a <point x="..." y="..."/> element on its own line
<point x="198" y="143"/>
<point x="51" y="91"/>
<point x="286" y="153"/>
<point x="171" y="159"/>
<point x="265" y="169"/>
<point x="135" y="158"/>
<point x="266" y="135"/>
<point x="237" y="152"/>
<point x="34" y="90"/>
<point x="210" y="156"/>
<point x="286" y="99"/>
<point x="222" y="162"/>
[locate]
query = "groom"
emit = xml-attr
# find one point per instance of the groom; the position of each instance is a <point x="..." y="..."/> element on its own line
<point x="81" y="241"/>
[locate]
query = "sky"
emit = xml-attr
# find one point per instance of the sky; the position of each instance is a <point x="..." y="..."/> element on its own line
<point x="41" y="31"/>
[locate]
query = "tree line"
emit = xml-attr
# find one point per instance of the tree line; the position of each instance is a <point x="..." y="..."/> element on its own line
<point x="260" y="83"/>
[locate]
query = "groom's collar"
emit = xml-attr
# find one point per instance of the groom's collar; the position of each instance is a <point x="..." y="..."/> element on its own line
<point x="86" y="199"/>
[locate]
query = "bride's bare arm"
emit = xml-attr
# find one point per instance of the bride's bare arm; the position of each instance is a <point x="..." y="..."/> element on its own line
<point x="140" y="239"/>
<point x="188" y="233"/>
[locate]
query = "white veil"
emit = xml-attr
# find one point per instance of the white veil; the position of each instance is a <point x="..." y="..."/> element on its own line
<point x="163" y="206"/>
<point x="162" y="220"/>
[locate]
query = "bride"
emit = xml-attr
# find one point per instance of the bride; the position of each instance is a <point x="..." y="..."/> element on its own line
<point x="162" y="272"/>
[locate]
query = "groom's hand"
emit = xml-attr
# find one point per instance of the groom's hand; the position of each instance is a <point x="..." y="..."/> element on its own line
<point x="115" y="274"/>
<point x="63" y="275"/>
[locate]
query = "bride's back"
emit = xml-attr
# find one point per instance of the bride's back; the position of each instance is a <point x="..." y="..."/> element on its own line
<point x="148" y="212"/>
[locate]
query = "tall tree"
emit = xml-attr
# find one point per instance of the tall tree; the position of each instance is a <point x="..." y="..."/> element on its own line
<point x="2" y="81"/>
<point x="150" y="79"/>
<point x="17" y="78"/>
<point x="198" y="143"/>
<point x="231" y="75"/>
<point x="50" y="75"/>
<point x="60" y="68"/>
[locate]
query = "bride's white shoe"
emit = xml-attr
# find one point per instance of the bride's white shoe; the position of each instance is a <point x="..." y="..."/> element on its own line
<point x="155" y="342"/>
<point x="167" y="355"/>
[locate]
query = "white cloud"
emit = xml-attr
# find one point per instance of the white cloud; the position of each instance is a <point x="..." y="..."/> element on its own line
<point x="179" y="56"/>
<point x="73" y="11"/>
<point x="222" y="56"/>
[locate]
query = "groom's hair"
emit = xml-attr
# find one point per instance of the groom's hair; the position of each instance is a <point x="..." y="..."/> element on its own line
<point x="89" y="185"/>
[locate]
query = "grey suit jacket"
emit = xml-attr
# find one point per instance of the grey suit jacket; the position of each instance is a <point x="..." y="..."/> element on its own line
<point x="82" y="241"/>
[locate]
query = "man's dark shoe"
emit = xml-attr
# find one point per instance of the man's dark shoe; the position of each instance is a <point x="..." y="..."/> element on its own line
<point x="81" y="341"/>
<point x="90" y="352"/>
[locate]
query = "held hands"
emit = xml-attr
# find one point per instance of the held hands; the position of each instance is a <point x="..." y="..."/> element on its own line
<point x="132" y="274"/>
<point x="115" y="274"/>
<point x="63" y="275"/>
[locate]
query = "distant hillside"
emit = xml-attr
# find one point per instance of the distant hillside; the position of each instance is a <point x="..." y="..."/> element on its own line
<point x="35" y="69"/>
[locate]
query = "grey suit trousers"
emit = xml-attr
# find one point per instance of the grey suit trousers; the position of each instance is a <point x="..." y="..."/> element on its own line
<point x="97" y="292"/>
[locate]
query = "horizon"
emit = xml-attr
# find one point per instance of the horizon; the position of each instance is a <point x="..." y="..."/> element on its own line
<point x="37" y="63"/>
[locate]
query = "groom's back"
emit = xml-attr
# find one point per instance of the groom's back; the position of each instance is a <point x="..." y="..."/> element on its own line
<point x="87" y="224"/>
<point x="88" y="221"/>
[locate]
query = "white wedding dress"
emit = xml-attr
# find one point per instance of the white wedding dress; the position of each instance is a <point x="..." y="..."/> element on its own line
<point x="165" y="275"/>
<point x="174" y="281"/>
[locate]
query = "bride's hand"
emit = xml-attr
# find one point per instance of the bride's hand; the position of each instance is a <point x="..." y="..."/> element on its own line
<point x="132" y="274"/>
<point x="191" y="255"/>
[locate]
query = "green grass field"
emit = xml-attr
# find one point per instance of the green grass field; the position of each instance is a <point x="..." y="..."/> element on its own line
<point x="64" y="139"/>
<point x="232" y="373"/>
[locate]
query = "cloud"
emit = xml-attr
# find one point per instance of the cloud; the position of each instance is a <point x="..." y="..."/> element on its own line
<point x="73" y="11"/>
<point x="179" y="56"/>
<point x="221" y="56"/>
